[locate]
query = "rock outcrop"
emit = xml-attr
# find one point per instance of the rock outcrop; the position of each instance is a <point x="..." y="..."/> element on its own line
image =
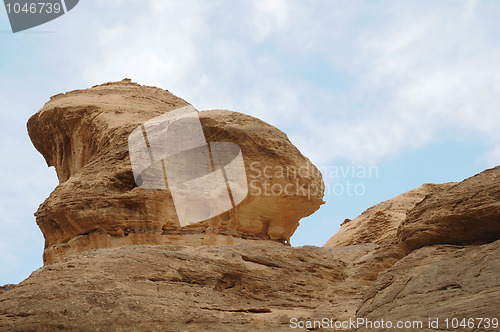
<point x="468" y="213"/>
<point x="438" y="282"/>
<point x="184" y="288"/>
<point x="380" y="223"/>
<point x="98" y="204"/>
<point x="434" y="282"/>
<point x="6" y="288"/>
<point x="118" y="260"/>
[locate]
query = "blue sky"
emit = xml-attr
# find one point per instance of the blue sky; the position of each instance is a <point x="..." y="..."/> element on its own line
<point x="410" y="87"/>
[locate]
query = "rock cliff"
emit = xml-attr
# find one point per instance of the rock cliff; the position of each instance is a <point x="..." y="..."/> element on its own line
<point x="118" y="260"/>
<point x="380" y="222"/>
<point x="468" y="213"/>
<point x="441" y="281"/>
<point x="177" y="288"/>
<point x="99" y="205"/>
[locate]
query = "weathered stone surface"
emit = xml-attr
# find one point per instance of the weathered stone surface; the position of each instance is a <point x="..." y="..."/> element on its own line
<point x="467" y="213"/>
<point x="144" y="272"/>
<point x="442" y="281"/>
<point x="6" y="288"/>
<point x="97" y="203"/>
<point x="438" y="281"/>
<point x="246" y="287"/>
<point x="252" y="286"/>
<point x="379" y="223"/>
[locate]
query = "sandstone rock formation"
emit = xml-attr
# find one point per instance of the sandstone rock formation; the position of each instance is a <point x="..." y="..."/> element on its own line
<point x="467" y="213"/>
<point x="431" y="253"/>
<point x="6" y="288"/>
<point x="440" y="281"/>
<point x="245" y="287"/>
<point x="437" y="281"/>
<point x="98" y="204"/>
<point x="380" y="222"/>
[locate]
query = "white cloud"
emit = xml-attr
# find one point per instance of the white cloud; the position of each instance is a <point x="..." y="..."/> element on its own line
<point x="361" y="81"/>
<point x="269" y="16"/>
<point x="493" y="156"/>
<point x="415" y="68"/>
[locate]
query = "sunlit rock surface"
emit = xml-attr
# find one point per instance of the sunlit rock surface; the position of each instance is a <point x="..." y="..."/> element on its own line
<point x="431" y="253"/>
<point x="467" y="213"/>
<point x="380" y="222"/>
<point x="98" y="204"/>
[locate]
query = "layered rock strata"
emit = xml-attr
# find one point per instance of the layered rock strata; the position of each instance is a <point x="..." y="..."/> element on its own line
<point x="380" y="222"/>
<point x="467" y="213"/>
<point x="443" y="284"/>
<point x="431" y="254"/>
<point x="98" y="203"/>
<point x="250" y="286"/>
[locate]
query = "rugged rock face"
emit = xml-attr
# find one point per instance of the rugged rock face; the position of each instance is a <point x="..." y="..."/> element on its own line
<point x="6" y="288"/>
<point x="263" y="287"/>
<point x="431" y="253"/>
<point x="98" y="204"/>
<point x="441" y="282"/>
<point x="436" y="281"/>
<point x="183" y="288"/>
<point x="468" y="213"/>
<point x="380" y="222"/>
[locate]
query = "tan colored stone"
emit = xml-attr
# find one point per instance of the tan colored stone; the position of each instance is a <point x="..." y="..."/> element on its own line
<point x="97" y="203"/>
<point x="246" y="287"/>
<point x="6" y="288"/>
<point x="379" y="223"/>
<point x="467" y="213"/>
<point x="440" y="281"/>
<point x="103" y="277"/>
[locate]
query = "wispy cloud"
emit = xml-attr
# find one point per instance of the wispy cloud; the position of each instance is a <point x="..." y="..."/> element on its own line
<point x="360" y="81"/>
<point x="410" y="70"/>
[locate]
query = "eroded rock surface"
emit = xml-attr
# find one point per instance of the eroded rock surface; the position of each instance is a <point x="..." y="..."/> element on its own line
<point x="440" y="281"/>
<point x="98" y="204"/>
<point x="467" y="213"/>
<point x="435" y="281"/>
<point x="246" y="287"/>
<point x="380" y="223"/>
<point x="6" y="288"/>
<point x="144" y="272"/>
